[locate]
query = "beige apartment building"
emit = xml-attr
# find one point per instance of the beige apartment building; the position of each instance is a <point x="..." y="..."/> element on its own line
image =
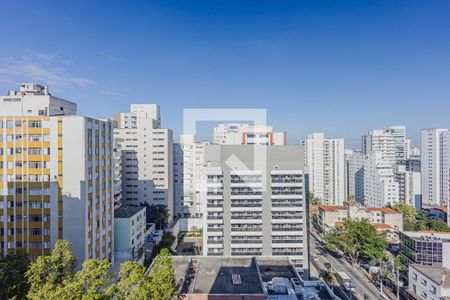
<point x="56" y="182"/>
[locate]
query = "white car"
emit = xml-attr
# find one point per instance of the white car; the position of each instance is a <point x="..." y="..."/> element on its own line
<point x="315" y="258"/>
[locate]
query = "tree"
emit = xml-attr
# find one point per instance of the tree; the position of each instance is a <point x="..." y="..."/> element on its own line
<point x="409" y="215"/>
<point x="133" y="283"/>
<point x="90" y="282"/>
<point x="159" y="214"/>
<point x="328" y="276"/>
<point x="162" y="277"/>
<point x="439" y="226"/>
<point x="398" y="266"/>
<point x="357" y="238"/>
<point x="47" y="272"/>
<point x="12" y="275"/>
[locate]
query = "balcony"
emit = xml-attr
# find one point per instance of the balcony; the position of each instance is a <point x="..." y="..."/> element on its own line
<point x="258" y="253"/>
<point x="287" y="241"/>
<point x="246" y="229"/>
<point x="215" y="229"/>
<point x="287" y="229"/>
<point x="214" y="241"/>
<point x="247" y="241"/>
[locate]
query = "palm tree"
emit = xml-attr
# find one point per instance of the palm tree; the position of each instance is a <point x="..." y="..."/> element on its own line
<point x="398" y="266"/>
<point x="329" y="277"/>
<point x="159" y="215"/>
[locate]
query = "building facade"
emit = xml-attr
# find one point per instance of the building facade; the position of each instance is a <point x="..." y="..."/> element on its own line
<point x="255" y="202"/>
<point x="435" y="166"/>
<point x="245" y="134"/>
<point x="147" y="157"/>
<point x="129" y="232"/>
<point x="429" y="283"/>
<point x="57" y="183"/>
<point x="325" y="161"/>
<point x="34" y="100"/>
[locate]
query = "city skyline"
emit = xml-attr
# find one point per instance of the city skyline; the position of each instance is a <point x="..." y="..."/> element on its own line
<point x="339" y="61"/>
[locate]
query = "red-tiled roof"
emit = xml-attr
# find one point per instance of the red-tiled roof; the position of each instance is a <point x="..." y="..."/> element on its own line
<point x="331" y="207"/>
<point x="384" y="210"/>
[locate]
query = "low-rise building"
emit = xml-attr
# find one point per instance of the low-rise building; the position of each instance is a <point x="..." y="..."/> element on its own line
<point x="129" y="232"/>
<point x="427" y="247"/>
<point x="382" y="218"/>
<point x="238" y="278"/>
<point x="431" y="283"/>
<point x="438" y="213"/>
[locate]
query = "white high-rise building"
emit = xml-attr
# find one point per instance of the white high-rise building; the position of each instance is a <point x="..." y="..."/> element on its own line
<point x="435" y="166"/>
<point x="252" y="208"/>
<point x="193" y="157"/>
<point x="380" y="141"/>
<point x="402" y="144"/>
<point x="245" y="134"/>
<point x="325" y="161"/>
<point x="356" y="175"/>
<point x="34" y="100"/>
<point x="147" y="157"/>
<point x="380" y="187"/>
<point x="409" y="181"/>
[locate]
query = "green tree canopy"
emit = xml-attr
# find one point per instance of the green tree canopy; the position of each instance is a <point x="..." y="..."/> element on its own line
<point x="47" y="272"/>
<point x="133" y="283"/>
<point x="13" y="283"/>
<point x="162" y="276"/>
<point x="409" y="215"/>
<point x="357" y="238"/>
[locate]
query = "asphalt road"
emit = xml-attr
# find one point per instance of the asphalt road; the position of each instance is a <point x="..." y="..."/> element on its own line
<point x="360" y="282"/>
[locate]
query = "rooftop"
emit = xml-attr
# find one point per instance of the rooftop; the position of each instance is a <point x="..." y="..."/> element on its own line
<point x="439" y="275"/>
<point x="127" y="211"/>
<point x="243" y="276"/>
<point x="430" y="234"/>
<point x="331" y="207"/>
<point x="384" y="210"/>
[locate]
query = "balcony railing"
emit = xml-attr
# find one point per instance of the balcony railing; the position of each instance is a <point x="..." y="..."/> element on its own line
<point x="246" y="253"/>
<point x="287" y="241"/>
<point x="286" y="229"/>
<point x="246" y="229"/>
<point x="215" y="229"/>
<point x="214" y="241"/>
<point x="246" y="241"/>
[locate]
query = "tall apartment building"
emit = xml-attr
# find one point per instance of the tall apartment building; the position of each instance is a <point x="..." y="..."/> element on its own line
<point x="409" y="182"/>
<point x="147" y="156"/>
<point x="193" y="158"/>
<point x="380" y="141"/>
<point x="435" y="166"/>
<point x="401" y="143"/>
<point x="117" y="156"/>
<point x="245" y="134"/>
<point x="255" y="207"/>
<point x="355" y="175"/>
<point x="56" y="182"/>
<point x="325" y="161"/>
<point x="34" y="100"/>
<point x="380" y="187"/>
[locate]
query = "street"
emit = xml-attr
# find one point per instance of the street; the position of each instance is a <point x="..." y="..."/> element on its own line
<point x="360" y="282"/>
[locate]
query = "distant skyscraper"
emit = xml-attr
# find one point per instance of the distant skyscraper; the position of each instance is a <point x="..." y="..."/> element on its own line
<point x="245" y="134"/>
<point x="325" y="161"/>
<point x="402" y="144"/>
<point x="380" y="187"/>
<point x="380" y="141"/>
<point x="147" y="156"/>
<point x="435" y="166"/>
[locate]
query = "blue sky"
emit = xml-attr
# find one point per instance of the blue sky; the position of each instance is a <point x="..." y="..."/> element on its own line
<point x="339" y="67"/>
